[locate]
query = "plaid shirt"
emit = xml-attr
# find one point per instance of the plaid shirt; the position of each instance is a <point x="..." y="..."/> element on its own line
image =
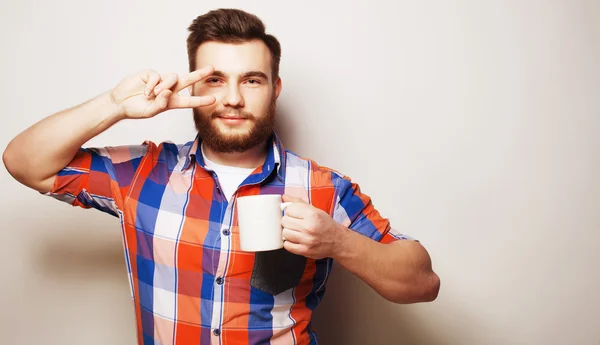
<point x="190" y="283"/>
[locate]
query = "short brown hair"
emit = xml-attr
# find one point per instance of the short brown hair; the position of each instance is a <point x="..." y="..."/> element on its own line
<point x="231" y="26"/>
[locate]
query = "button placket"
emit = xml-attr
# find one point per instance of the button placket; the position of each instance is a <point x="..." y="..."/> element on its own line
<point x="216" y="181"/>
<point x="221" y="267"/>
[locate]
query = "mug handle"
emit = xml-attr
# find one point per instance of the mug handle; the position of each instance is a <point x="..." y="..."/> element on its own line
<point x="284" y="205"/>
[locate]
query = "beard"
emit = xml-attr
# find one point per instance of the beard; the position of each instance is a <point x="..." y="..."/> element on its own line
<point x="213" y="137"/>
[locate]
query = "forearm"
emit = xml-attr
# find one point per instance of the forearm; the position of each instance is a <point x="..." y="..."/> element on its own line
<point x="46" y="147"/>
<point x="401" y="271"/>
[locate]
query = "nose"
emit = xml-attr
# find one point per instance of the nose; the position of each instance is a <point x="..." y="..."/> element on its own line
<point x="233" y="98"/>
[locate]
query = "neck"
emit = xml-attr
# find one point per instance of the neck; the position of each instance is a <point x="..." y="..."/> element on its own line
<point x="250" y="159"/>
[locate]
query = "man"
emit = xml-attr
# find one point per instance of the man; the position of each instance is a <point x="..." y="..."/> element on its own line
<point x="191" y="284"/>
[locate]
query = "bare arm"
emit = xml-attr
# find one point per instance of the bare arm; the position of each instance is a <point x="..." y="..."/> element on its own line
<point x="36" y="155"/>
<point x="399" y="271"/>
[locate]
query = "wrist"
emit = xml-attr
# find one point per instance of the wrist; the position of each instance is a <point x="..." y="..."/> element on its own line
<point x="342" y="248"/>
<point x="116" y="112"/>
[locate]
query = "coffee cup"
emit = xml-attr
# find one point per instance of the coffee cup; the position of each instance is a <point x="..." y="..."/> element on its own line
<point x="259" y="222"/>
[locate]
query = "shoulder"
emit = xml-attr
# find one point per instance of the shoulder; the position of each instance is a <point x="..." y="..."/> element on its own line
<point x="320" y="175"/>
<point x="164" y="150"/>
<point x="148" y="151"/>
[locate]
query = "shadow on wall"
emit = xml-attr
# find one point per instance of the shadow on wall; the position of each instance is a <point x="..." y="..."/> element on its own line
<point x="286" y="126"/>
<point x="352" y="313"/>
<point x="79" y="249"/>
<point x="85" y="259"/>
<point x="73" y="283"/>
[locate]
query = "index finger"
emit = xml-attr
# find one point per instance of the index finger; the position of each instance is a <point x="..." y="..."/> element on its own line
<point x="289" y="198"/>
<point x="193" y="77"/>
<point x="298" y="210"/>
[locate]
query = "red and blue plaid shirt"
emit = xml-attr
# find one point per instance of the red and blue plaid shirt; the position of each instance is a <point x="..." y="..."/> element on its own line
<point x="190" y="283"/>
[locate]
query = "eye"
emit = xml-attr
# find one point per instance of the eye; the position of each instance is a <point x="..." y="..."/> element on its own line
<point x="253" y="81"/>
<point x="212" y="80"/>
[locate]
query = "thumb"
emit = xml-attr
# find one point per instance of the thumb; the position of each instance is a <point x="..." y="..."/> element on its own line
<point x="289" y="198"/>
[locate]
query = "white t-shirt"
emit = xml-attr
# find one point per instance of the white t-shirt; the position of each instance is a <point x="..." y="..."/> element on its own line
<point x="229" y="177"/>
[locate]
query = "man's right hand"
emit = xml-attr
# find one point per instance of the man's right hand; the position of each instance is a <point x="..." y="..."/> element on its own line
<point x="148" y="93"/>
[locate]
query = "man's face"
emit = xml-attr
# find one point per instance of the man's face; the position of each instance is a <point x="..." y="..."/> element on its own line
<point x="244" y="112"/>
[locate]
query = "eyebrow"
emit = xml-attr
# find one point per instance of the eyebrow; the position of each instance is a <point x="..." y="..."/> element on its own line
<point x="248" y="74"/>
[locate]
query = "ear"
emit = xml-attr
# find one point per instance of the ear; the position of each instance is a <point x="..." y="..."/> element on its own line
<point x="277" y="87"/>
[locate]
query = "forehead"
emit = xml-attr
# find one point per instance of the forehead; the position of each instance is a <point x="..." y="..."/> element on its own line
<point x="235" y="58"/>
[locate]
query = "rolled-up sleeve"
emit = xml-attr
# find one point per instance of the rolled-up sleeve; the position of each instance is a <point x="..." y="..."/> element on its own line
<point x="356" y="211"/>
<point x="98" y="178"/>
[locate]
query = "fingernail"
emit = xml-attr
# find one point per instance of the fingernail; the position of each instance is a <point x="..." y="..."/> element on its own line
<point x="147" y="92"/>
<point x="157" y="90"/>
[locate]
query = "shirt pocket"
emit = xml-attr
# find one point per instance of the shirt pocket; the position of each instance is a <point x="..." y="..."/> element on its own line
<point x="276" y="271"/>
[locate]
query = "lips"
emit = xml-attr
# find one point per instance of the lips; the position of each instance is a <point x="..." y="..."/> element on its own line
<point x="232" y="117"/>
<point x="232" y="120"/>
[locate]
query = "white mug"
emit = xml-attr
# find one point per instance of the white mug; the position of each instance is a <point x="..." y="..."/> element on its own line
<point x="259" y="222"/>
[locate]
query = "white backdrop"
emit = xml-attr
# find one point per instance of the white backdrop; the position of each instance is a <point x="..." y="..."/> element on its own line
<point x="472" y="124"/>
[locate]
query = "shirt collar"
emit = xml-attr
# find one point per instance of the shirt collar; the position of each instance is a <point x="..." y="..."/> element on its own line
<point x="276" y="157"/>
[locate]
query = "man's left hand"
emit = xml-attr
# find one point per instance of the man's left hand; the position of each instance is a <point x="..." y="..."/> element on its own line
<point x="309" y="231"/>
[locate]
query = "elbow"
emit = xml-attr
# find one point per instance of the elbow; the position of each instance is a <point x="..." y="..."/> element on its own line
<point x="425" y="289"/>
<point x="18" y="168"/>
<point x="8" y="160"/>
<point x="431" y="288"/>
<point x="14" y="164"/>
<point x="26" y="169"/>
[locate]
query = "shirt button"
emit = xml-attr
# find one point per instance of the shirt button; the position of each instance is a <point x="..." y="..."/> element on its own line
<point x="226" y="232"/>
<point x="216" y="332"/>
<point x="220" y="280"/>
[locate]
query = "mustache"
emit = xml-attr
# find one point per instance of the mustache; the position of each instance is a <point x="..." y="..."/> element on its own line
<point x="232" y="112"/>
